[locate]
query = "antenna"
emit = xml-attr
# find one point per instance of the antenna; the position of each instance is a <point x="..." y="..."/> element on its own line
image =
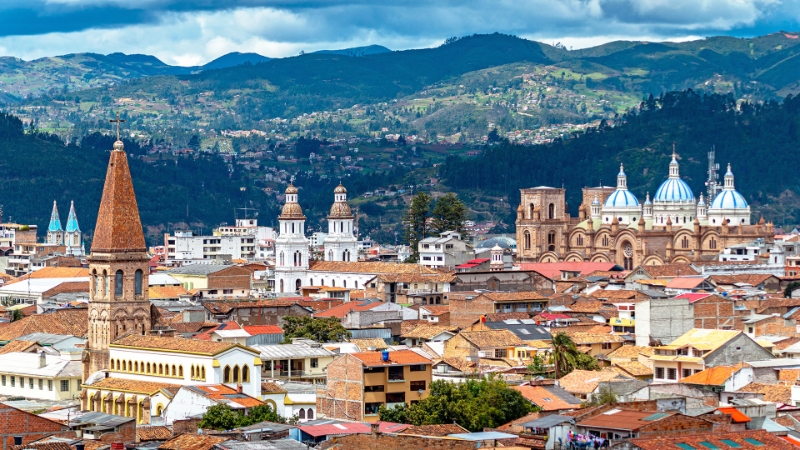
<point x="712" y="184"/>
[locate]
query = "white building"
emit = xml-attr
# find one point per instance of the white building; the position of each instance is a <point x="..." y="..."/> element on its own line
<point x="341" y="243"/>
<point x="40" y="375"/>
<point x="729" y="205"/>
<point x="621" y="204"/>
<point x="447" y="250"/>
<point x="191" y="401"/>
<point x="243" y="241"/>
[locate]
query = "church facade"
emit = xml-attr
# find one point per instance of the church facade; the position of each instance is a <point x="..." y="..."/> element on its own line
<point x="613" y="226"/>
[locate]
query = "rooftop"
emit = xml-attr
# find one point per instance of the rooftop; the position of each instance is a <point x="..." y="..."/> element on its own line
<point x="741" y="440"/>
<point x="136" y="386"/>
<point x="271" y="352"/>
<point x="549" y="398"/>
<point x="173" y="344"/>
<point x="492" y="338"/>
<point x="402" y="357"/>
<point x="368" y="267"/>
<point x="621" y="419"/>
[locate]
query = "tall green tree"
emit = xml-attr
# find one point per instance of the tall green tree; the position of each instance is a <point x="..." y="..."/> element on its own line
<point x="416" y="222"/>
<point x="326" y="329"/>
<point x="449" y="213"/>
<point x="565" y="354"/>
<point x="220" y="417"/>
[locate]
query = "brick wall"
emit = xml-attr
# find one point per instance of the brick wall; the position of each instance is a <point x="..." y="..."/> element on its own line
<point x="15" y="422"/>
<point x="185" y="426"/>
<point x="458" y="347"/>
<point x="230" y="278"/>
<point x="467" y="308"/>
<point x="341" y="398"/>
<point x="741" y="348"/>
<point x="774" y="326"/>
<point x="676" y="425"/>
<point x="380" y="441"/>
<point x="714" y="312"/>
<point x="126" y="433"/>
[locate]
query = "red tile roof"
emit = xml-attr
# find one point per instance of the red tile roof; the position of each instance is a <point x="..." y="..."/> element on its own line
<point x="621" y="419"/>
<point x="341" y="311"/>
<point x="255" y="330"/>
<point x="224" y="394"/>
<point x="352" y="428"/>
<point x="119" y="228"/>
<point x="395" y="357"/>
<point x="736" y="415"/>
<point x="694" y="296"/>
<point x="764" y="440"/>
<point x="685" y="282"/>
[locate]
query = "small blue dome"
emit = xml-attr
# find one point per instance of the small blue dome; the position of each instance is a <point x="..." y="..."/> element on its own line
<point x="729" y="199"/>
<point x="621" y="198"/>
<point x="674" y="190"/>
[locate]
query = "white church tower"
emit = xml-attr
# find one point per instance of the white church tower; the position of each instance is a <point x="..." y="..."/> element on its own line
<point x="291" y="246"/>
<point x="341" y="243"/>
<point x="55" y="233"/>
<point x="72" y="235"/>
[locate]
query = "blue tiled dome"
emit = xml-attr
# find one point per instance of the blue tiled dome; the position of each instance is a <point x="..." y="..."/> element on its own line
<point x="674" y="190"/>
<point x="621" y="198"/>
<point x="729" y="199"/>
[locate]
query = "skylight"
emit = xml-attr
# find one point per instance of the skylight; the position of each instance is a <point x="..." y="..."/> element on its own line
<point x="755" y="442"/>
<point x="707" y="444"/>
<point x="685" y="446"/>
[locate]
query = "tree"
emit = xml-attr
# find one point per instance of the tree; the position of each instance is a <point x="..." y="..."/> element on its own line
<point x="565" y="354"/>
<point x="537" y="366"/>
<point x="416" y="222"/>
<point x="194" y="143"/>
<point x="794" y="285"/>
<point x="449" y="213"/>
<point x="494" y="136"/>
<point x="220" y="417"/>
<point x="605" y="396"/>
<point x="327" y="329"/>
<point x="396" y="414"/>
<point x="264" y="413"/>
<point x="586" y="362"/>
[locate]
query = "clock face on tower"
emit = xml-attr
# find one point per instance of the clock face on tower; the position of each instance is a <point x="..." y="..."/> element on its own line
<point x="628" y="250"/>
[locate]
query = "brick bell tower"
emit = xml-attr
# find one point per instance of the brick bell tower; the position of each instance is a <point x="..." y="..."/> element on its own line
<point x="118" y="267"/>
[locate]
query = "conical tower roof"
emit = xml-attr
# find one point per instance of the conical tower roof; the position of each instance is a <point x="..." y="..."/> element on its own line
<point x="119" y="228"/>
<point x="72" y="220"/>
<point x="55" y="221"/>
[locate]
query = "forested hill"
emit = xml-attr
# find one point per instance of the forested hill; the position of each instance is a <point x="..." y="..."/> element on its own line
<point x="760" y="141"/>
<point x="201" y="193"/>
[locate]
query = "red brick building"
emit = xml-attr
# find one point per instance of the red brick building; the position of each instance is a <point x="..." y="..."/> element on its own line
<point x="30" y="427"/>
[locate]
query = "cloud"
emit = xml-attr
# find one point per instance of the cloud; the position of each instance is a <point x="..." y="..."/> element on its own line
<point x="193" y="32"/>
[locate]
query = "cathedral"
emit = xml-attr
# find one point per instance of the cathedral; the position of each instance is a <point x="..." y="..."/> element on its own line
<point x="71" y="237"/>
<point x="292" y="247"/>
<point x="613" y="226"/>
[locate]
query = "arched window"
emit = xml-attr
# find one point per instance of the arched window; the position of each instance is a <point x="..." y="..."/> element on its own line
<point x="226" y="375"/>
<point x="330" y="255"/>
<point x="192" y="371"/>
<point x="282" y="259"/>
<point x="311" y="282"/>
<point x="527" y="240"/>
<point x="344" y="283"/>
<point x="356" y="282"/>
<point x="161" y="369"/>
<point x="106" y="282"/>
<point x="148" y="368"/>
<point x="180" y="371"/>
<point x="551" y="211"/>
<point x="333" y="283"/>
<point x="310" y="414"/>
<point x="579" y="241"/>
<point x="137" y="282"/>
<point x="531" y="210"/>
<point x="118" y="284"/>
<point x="685" y="242"/>
<point x="302" y="413"/>
<point x="551" y="241"/>
<point x="203" y="373"/>
<point x="712" y="243"/>
<point x="245" y="374"/>
<point x="112" y="364"/>
<point x="281" y="286"/>
<point x="297" y="284"/>
<point x="605" y="241"/>
<point x="136" y="366"/>
<point x="96" y="282"/>
<point x="174" y="371"/>
<point x="236" y="374"/>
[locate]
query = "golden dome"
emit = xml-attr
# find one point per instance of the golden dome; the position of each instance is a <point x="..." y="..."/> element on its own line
<point x="291" y="189"/>
<point x="340" y="210"/>
<point x="340" y="189"/>
<point x="292" y="211"/>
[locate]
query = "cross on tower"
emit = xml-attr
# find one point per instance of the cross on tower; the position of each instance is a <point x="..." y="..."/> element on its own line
<point x="118" y="121"/>
<point x="291" y="179"/>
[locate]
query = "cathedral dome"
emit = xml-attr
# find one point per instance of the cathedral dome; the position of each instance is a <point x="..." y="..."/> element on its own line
<point x="729" y="199"/>
<point x="340" y="210"/>
<point x="291" y="210"/>
<point x="291" y="189"/>
<point x="340" y="189"/>
<point x="674" y="190"/>
<point x="621" y="199"/>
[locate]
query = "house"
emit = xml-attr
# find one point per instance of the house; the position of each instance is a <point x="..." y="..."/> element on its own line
<point x="195" y="400"/>
<point x="619" y="424"/>
<point x="764" y="282"/>
<point x="214" y="281"/>
<point x="744" y="440"/>
<point x="435" y="314"/>
<point x="425" y="334"/>
<point x="476" y="264"/>
<point x="582" y="383"/>
<point x="399" y="287"/>
<point x="447" y="250"/>
<point x="297" y="362"/>
<point x="699" y="349"/>
<point x="685" y="285"/>
<point x="722" y="378"/>
<point x="40" y="375"/>
<point x="368" y="313"/>
<point x="468" y="308"/>
<point x="359" y="383"/>
<point x="525" y="329"/>
<point x="665" y="271"/>
<point x="25" y="426"/>
<point x="549" y="398"/>
<point x="473" y="345"/>
<point x="255" y="312"/>
<point x="502" y="281"/>
<point x="73" y="322"/>
<point x="594" y="344"/>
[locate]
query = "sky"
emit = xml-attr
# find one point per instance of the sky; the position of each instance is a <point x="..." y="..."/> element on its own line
<point x="188" y="33"/>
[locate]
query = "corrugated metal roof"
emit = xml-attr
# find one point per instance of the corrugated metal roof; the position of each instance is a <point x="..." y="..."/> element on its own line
<point x="271" y="352"/>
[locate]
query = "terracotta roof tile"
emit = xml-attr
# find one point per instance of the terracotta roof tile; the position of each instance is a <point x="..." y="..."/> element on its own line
<point x="553" y="270"/>
<point x="166" y="292"/>
<point x="411" y="277"/>
<point x="713" y="376"/>
<point x="515" y="425"/>
<point x="192" y="442"/>
<point x="543" y="398"/>
<point x="499" y="317"/>
<point x="364" y="344"/>
<point x="763" y="437"/>
<point x="777" y="393"/>
<point x="54" y="272"/>
<point x="136" y="386"/>
<point x="789" y="375"/>
<point x="73" y="322"/>
<point x="369" y="267"/>
<point x="426" y="332"/>
<point x="225" y="394"/>
<point x="435" y="430"/>
<point x="172" y="344"/>
<point x="16" y="346"/>
<point x="585" y="381"/>
<point x="631" y="352"/>
<point x="670" y="270"/>
<point x="118" y="227"/>
<point x="493" y="338"/>
<point x="513" y="296"/>
<point x="153" y="433"/>
<point x="268" y="387"/>
<point x="341" y="311"/>
<point x="591" y="338"/>
<point x="396" y="357"/>
<point x="52" y="445"/>
<point x="634" y="369"/>
<point x="437" y="310"/>
<point x="618" y="294"/>
<point x="589" y="307"/>
<point x="255" y="330"/>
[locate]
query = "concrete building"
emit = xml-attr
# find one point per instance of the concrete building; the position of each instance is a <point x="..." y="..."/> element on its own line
<point x="40" y="376"/>
<point x="447" y="250"/>
<point x="296" y="362"/>
<point x="240" y="241"/>
<point x="214" y="281"/>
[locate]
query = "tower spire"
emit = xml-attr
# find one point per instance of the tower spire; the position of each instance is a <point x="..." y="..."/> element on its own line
<point x="55" y="221"/>
<point x="72" y="220"/>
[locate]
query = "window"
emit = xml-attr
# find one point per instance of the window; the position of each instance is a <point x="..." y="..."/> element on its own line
<point x="755" y="442"/>
<point x="527" y="240"/>
<point x="672" y="374"/>
<point x="49" y="385"/>
<point x="314" y="363"/>
<point x="118" y="284"/>
<point x="374" y="370"/>
<point x="13" y="381"/>
<point x="30" y="383"/>
<point x="64" y="385"/>
<point x="377" y="388"/>
<point x="685" y="242"/>
<point x="417" y="385"/>
<point x="660" y="372"/>
<point x="604" y="241"/>
<point x="396" y="397"/>
<point x="227" y="291"/>
<point x="245" y="374"/>
<point x="371" y="409"/>
<point x="712" y="243"/>
<point x="396" y="374"/>
<point x="579" y="241"/>
<point x="41" y="384"/>
<point x="137" y="283"/>
<point x="418" y="368"/>
<point x="235" y="374"/>
<point x="3" y="380"/>
<point x="301" y="414"/>
<point x="500" y="353"/>
<point x="551" y="211"/>
<point x="226" y="375"/>
<point x="606" y="345"/>
<point x="22" y="382"/>
<point x="686" y="373"/>
<point x="707" y="444"/>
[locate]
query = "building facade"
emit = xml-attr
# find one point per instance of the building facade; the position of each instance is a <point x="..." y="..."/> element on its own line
<point x="612" y="226"/>
<point x="341" y="243"/>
